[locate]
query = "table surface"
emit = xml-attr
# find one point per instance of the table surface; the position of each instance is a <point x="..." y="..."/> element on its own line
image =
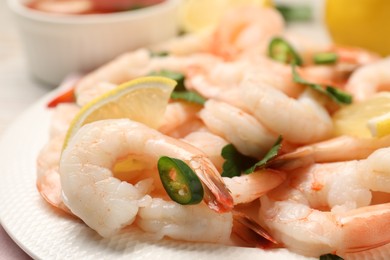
<point x="19" y="91"/>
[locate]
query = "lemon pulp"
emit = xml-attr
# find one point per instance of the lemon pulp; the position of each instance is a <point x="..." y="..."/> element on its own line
<point x="352" y="120"/>
<point x="143" y="100"/>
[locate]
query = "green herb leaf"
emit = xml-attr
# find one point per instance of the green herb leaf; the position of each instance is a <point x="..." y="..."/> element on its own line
<point x="330" y="257"/>
<point x="335" y="94"/>
<point x="235" y="162"/>
<point x="325" y="58"/>
<point x="271" y="154"/>
<point x="177" y="76"/>
<point x="180" y="181"/>
<point x="189" y="96"/>
<point x="282" y="51"/>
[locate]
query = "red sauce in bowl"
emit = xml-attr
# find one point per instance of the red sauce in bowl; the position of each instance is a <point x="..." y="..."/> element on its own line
<point x="77" y="7"/>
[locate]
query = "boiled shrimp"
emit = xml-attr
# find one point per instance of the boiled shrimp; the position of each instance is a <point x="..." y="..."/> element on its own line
<point x="221" y="82"/>
<point x="239" y="128"/>
<point x="186" y="44"/>
<point x="325" y="208"/>
<point x="243" y="29"/>
<point x="302" y="120"/>
<point x="180" y="118"/>
<point x="48" y="179"/>
<point x="341" y="148"/>
<point x="105" y="203"/>
<point x="190" y="223"/>
<point x="249" y="187"/>
<point x="369" y="79"/>
<point x="136" y="64"/>
<point x="245" y="188"/>
<point x="209" y="143"/>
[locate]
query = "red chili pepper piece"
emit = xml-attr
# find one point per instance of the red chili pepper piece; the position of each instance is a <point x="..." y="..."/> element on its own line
<point x="65" y="97"/>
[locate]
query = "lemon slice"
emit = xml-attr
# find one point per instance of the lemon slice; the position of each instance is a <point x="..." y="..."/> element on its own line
<point x="198" y="15"/>
<point x="366" y="23"/>
<point x="352" y="120"/>
<point x="380" y="125"/>
<point x="143" y="100"/>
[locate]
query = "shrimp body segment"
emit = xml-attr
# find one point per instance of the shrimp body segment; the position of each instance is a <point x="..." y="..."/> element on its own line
<point x="333" y="207"/>
<point x="189" y="223"/>
<point x="106" y="203"/>
<point x="244" y="29"/>
<point x="302" y="120"/>
<point x="238" y="127"/>
<point x="369" y="79"/>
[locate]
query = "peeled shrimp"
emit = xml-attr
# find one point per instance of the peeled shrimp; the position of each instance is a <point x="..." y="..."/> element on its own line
<point x="48" y="178"/>
<point x="136" y="64"/>
<point x="249" y="187"/>
<point x="342" y="148"/>
<point x="245" y="28"/>
<point x="105" y="203"/>
<point x="210" y="144"/>
<point x="221" y="81"/>
<point x="369" y="79"/>
<point x="178" y="119"/>
<point x="327" y="208"/>
<point x="302" y="120"/>
<point x="237" y="127"/>
<point x="190" y="223"/>
<point x="186" y="44"/>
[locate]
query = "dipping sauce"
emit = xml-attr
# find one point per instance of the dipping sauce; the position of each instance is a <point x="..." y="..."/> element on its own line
<point x="81" y="7"/>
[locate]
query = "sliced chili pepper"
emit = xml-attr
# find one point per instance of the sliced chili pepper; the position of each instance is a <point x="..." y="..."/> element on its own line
<point x="66" y="97"/>
<point x="280" y="50"/>
<point x="325" y="58"/>
<point x="180" y="181"/>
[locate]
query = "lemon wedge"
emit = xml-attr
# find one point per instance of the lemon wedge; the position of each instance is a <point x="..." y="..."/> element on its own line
<point x="198" y="15"/>
<point x="380" y="125"/>
<point x="352" y="120"/>
<point x="143" y="100"/>
<point x="363" y="23"/>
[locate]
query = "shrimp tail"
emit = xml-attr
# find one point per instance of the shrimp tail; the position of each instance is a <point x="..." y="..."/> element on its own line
<point x="293" y="160"/>
<point x="217" y="196"/>
<point x="251" y="232"/>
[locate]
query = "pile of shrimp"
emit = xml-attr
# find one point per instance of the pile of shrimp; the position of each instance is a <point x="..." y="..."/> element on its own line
<point x="323" y="194"/>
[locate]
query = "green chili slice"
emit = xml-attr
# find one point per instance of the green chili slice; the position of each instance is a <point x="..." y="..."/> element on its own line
<point x="325" y="58"/>
<point x="180" y="181"/>
<point x="280" y="50"/>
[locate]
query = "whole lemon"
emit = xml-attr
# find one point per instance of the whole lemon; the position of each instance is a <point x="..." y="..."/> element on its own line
<point x="361" y="23"/>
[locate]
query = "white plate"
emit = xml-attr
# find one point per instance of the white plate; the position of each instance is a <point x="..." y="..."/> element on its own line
<point x="45" y="234"/>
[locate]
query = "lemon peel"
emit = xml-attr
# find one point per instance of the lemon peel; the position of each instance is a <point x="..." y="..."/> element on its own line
<point x="379" y="126"/>
<point x="143" y="100"/>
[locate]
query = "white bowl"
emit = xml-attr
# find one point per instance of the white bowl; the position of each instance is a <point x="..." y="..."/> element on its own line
<point x="57" y="45"/>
